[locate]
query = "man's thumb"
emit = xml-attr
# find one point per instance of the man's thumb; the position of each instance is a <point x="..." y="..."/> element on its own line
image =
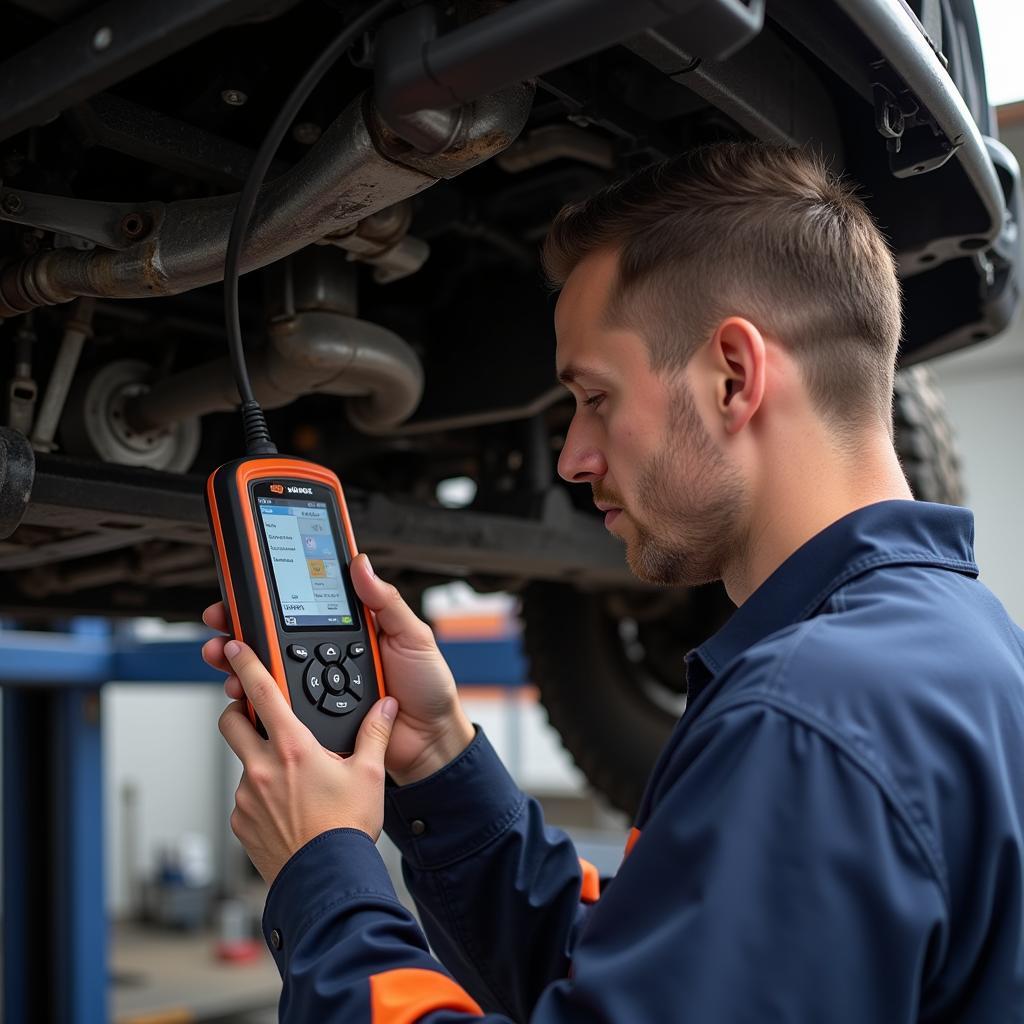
<point x="375" y="732"/>
<point x="369" y="586"/>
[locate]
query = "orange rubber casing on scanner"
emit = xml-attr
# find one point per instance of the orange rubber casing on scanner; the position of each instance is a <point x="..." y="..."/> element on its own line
<point x="242" y="560"/>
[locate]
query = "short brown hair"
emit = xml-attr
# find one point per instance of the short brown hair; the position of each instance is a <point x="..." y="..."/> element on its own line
<point x="754" y="230"/>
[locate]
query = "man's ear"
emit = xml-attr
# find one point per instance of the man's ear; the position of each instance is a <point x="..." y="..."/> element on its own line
<point x="738" y="357"/>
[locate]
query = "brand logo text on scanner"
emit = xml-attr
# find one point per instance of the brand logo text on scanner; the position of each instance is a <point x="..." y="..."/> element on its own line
<point x="300" y="490"/>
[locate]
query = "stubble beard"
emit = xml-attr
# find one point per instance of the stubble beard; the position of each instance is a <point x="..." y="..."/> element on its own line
<point x="688" y="506"/>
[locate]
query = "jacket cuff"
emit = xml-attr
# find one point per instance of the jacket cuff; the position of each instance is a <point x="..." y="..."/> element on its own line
<point x="336" y="866"/>
<point x="456" y="811"/>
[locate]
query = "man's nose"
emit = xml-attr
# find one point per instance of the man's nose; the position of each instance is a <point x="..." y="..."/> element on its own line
<point x="580" y="461"/>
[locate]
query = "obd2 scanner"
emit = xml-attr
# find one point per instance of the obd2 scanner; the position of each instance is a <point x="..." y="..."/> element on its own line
<point x="283" y="543"/>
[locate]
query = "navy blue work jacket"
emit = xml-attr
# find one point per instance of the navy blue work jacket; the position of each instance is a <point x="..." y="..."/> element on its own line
<point x="832" y="835"/>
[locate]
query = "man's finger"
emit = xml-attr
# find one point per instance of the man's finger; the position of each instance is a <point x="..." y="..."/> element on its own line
<point x="213" y="653"/>
<point x="216" y="617"/>
<point x="375" y="732"/>
<point x="239" y="732"/>
<point x="263" y="692"/>
<point x="394" y="616"/>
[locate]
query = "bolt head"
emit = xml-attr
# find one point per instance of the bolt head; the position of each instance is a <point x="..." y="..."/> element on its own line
<point x="234" y="97"/>
<point x="133" y="225"/>
<point x="12" y="203"/>
<point x="102" y="38"/>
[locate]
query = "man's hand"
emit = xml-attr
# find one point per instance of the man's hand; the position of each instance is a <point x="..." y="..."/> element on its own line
<point x="292" y="788"/>
<point x="431" y="728"/>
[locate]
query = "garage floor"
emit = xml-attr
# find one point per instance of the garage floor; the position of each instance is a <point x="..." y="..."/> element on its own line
<point x="163" y="978"/>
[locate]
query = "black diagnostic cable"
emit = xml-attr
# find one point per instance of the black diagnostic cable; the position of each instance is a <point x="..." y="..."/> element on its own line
<point x="257" y="435"/>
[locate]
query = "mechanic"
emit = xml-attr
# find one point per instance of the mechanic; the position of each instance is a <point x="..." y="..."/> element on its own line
<point x="833" y="831"/>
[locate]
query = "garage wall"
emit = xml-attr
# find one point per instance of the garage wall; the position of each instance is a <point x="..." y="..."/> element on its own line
<point x="164" y="775"/>
<point x="985" y="399"/>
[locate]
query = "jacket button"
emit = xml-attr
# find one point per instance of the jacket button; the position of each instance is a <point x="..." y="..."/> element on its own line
<point x="418" y="827"/>
<point x="275" y="939"/>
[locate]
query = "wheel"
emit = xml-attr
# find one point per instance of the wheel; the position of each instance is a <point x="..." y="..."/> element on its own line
<point x="609" y="665"/>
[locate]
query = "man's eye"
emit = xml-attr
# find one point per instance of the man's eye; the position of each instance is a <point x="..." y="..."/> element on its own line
<point x="594" y="400"/>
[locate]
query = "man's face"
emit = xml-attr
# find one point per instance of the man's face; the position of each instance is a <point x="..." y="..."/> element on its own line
<point x="639" y="439"/>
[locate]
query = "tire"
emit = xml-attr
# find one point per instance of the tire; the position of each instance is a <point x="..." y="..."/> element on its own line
<point x="609" y="665"/>
<point x="924" y="439"/>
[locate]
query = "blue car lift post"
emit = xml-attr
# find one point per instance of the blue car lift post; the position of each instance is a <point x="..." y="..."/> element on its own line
<point x="55" y="920"/>
<point x="55" y="934"/>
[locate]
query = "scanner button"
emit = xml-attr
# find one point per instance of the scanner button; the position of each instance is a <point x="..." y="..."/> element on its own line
<point x="355" y="685"/>
<point x="298" y="652"/>
<point x="314" y="681"/>
<point x="356" y="650"/>
<point x="338" y="705"/>
<point x="328" y="652"/>
<point x="335" y="678"/>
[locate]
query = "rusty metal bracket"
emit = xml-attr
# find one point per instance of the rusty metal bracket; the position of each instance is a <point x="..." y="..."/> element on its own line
<point x="116" y="226"/>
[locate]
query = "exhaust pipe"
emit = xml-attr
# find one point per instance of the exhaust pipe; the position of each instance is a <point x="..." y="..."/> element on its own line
<point x="312" y="352"/>
<point x="315" y="343"/>
<point x="358" y="167"/>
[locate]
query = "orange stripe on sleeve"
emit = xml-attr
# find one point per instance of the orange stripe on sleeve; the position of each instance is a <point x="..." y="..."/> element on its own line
<point x="405" y="995"/>
<point x="634" y="835"/>
<point x="590" y="891"/>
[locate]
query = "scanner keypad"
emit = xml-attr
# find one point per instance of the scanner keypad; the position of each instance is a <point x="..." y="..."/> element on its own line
<point x="335" y="678"/>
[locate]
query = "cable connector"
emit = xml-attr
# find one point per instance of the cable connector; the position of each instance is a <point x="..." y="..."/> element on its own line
<point x="257" y="434"/>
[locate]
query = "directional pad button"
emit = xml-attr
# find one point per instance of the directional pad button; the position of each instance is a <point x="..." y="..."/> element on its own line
<point x="355" y="684"/>
<point x="338" y="704"/>
<point x="313" y="681"/>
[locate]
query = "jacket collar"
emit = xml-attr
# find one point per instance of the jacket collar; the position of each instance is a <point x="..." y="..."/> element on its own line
<point x="887" y="533"/>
